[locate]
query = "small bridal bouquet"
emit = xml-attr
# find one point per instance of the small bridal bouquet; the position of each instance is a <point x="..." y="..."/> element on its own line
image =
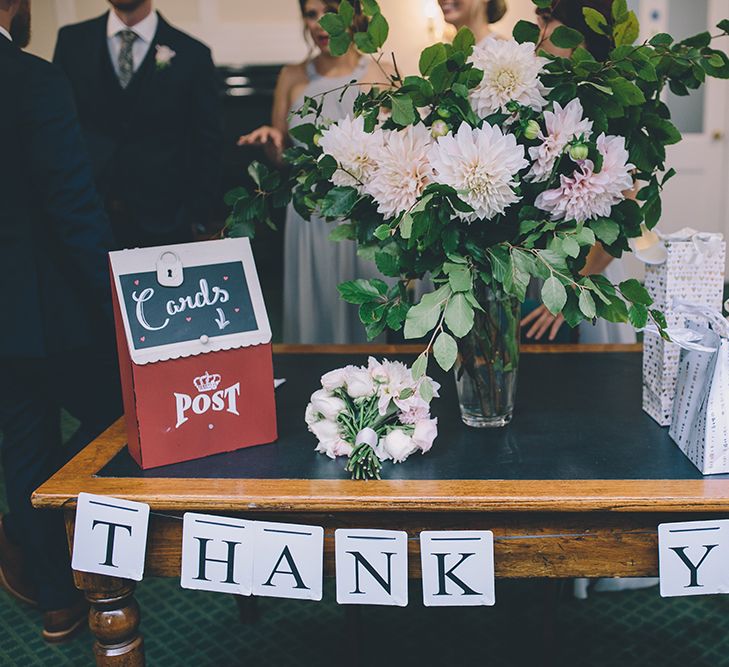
<point x="371" y="414"/>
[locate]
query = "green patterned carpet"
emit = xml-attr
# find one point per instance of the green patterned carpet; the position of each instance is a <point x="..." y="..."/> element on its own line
<point x="198" y="629"/>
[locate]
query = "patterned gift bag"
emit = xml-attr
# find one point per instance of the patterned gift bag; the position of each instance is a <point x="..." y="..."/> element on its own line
<point x="685" y="266"/>
<point x="700" y="420"/>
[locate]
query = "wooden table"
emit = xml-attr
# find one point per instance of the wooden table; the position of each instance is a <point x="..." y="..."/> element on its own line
<point x="575" y="486"/>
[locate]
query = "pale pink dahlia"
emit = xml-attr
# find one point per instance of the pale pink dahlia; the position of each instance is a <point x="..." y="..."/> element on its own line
<point x="586" y="194"/>
<point x="563" y="125"/>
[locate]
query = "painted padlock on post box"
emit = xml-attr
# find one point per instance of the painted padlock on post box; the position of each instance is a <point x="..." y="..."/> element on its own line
<point x="194" y="346"/>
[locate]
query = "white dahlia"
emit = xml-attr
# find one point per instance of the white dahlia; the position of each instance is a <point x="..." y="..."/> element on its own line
<point x="586" y="194"/>
<point x="481" y="164"/>
<point x="403" y="170"/>
<point x="510" y="73"/>
<point x="563" y="126"/>
<point x="353" y="149"/>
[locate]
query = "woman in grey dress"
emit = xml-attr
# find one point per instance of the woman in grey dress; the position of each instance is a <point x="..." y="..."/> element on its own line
<point x="314" y="265"/>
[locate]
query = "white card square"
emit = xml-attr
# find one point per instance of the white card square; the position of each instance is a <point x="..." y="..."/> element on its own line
<point x="110" y="536"/>
<point x="457" y="568"/>
<point x="288" y="561"/>
<point x="372" y="567"/>
<point x="693" y="558"/>
<point x="217" y="554"/>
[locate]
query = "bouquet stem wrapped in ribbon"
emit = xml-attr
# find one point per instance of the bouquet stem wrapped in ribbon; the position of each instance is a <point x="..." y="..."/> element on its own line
<point x="371" y="414"/>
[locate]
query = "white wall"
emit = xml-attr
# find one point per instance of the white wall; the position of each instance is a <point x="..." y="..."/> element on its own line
<point x="261" y="31"/>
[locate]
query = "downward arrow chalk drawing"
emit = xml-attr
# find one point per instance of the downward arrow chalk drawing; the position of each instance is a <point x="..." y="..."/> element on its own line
<point x="220" y="319"/>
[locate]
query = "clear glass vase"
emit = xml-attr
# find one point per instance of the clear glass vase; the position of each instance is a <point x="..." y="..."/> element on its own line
<point x="488" y="362"/>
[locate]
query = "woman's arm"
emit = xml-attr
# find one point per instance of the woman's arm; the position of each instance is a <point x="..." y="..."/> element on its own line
<point x="274" y="137"/>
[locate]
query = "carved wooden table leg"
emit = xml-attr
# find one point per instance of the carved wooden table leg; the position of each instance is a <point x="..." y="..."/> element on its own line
<point x="114" y="620"/>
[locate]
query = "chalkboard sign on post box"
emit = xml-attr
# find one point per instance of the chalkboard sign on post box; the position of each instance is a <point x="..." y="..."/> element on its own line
<point x="194" y="348"/>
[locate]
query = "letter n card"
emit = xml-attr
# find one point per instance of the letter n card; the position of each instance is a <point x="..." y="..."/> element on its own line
<point x="194" y="347"/>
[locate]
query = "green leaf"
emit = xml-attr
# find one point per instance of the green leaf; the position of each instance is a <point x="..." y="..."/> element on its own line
<point x="338" y="202"/>
<point x="595" y="20"/>
<point x="346" y="12"/>
<point x="526" y="31"/>
<point x="701" y="40"/>
<point x="587" y="304"/>
<point x="638" y="315"/>
<point x="606" y="230"/>
<point x="460" y="279"/>
<point x="339" y="44"/>
<point x="426" y="391"/>
<point x="342" y="232"/>
<point x="304" y="133"/>
<point x="570" y="246"/>
<point x="257" y="171"/>
<point x="566" y="38"/>
<point x="387" y="264"/>
<point x="661" y="39"/>
<point x="370" y="7"/>
<point x="635" y="292"/>
<point x="464" y="40"/>
<point x="627" y="92"/>
<point x="620" y="10"/>
<point x="626" y="33"/>
<point x="459" y="315"/>
<point x="445" y="351"/>
<point x="422" y="318"/>
<point x="554" y="295"/>
<point x="232" y="196"/>
<point x="403" y="111"/>
<point x="723" y="25"/>
<point x="430" y="57"/>
<point x="358" y="291"/>
<point x="420" y="365"/>
<point x="378" y="30"/>
<point x="651" y="211"/>
<point x="382" y="232"/>
<point x="333" y="24"/>
<point x="364" y="42"/>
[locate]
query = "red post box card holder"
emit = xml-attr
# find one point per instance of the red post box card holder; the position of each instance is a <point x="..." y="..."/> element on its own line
<point x="194" y="346"/>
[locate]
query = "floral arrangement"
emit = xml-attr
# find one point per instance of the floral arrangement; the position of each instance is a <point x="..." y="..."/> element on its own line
<point x="497" y="164"/>
<point x="371" y="414"/>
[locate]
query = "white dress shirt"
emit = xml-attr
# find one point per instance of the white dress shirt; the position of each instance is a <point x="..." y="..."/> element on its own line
<point x="5" y="33"/>
<point x="145" y="30"/>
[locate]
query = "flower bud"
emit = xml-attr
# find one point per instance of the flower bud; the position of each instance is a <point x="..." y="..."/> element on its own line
<point x="317" y="138"/>
<point x="532" y="129"/>
<point x="439" y="129"/>
<point x="579" y="152"/>
<point x="443" y="112"/>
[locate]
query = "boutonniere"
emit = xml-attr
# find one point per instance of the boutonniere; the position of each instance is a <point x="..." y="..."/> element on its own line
<point x="163" y="56"/>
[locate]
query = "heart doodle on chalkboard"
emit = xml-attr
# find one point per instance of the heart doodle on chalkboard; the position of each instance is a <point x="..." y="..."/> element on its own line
<point x="189" y="319"/>
<point x="136" y="282"/>
<point x="237" y="310"/>
<point x="225" y="277"/>
<point x="142" y="338"/>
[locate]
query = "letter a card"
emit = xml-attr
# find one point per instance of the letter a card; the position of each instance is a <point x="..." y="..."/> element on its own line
<point x="693" y="558"/>
<point x="458" y="568"/>
<point x="288" y="561"/>
<point x="110" y="536"/>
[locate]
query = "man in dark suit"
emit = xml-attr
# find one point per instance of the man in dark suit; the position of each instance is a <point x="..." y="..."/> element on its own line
<point x="56" y="338"/>
<point x="148" y="101"/>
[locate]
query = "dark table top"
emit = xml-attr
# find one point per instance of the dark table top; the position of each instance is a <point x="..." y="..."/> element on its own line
<point x="578" y="416"/>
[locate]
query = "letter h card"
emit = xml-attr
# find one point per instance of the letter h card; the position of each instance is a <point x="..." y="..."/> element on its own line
<point x="194" y="347"/>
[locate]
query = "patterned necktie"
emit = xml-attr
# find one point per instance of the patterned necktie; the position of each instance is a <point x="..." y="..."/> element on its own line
<point x="126" y="61"/>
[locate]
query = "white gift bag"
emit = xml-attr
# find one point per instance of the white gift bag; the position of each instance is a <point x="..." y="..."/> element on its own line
<point x="686" y="266"/>
<point x="700" y="420"/>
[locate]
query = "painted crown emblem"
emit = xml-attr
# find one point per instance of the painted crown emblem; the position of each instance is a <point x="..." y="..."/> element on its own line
<point x="207" y="382"/>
